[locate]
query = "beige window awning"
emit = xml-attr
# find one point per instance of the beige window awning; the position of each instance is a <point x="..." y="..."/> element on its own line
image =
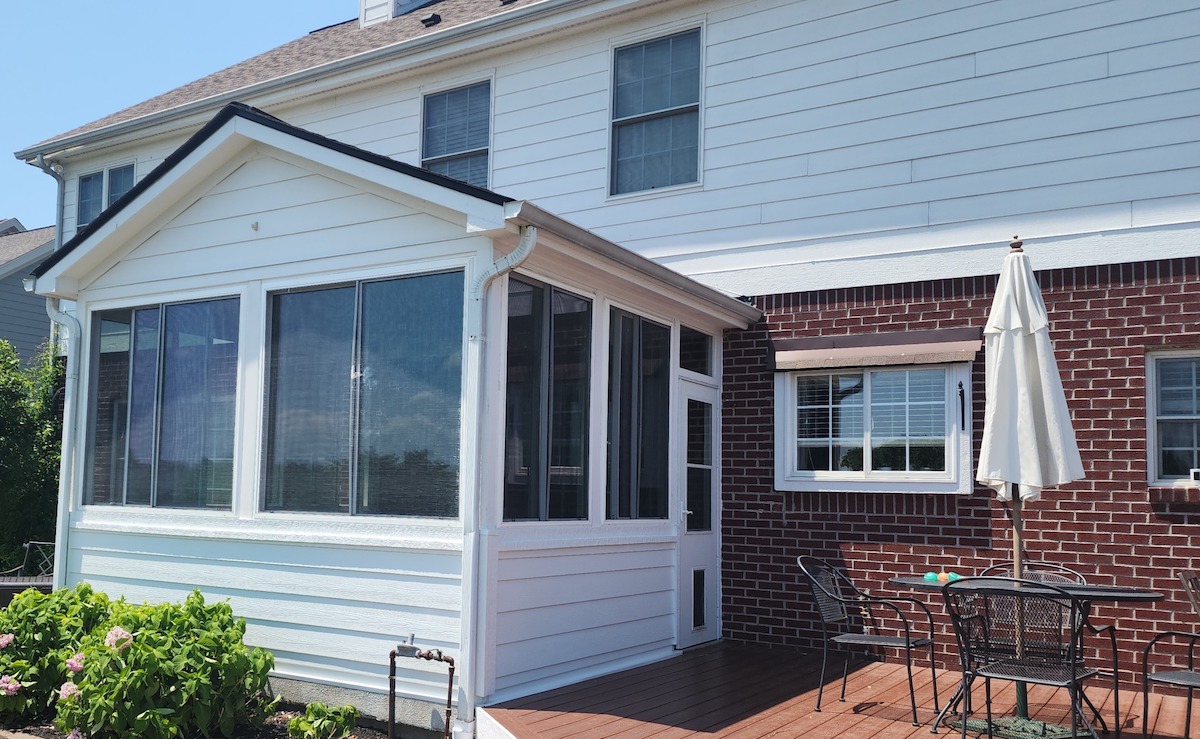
<point x="932" y="346"/>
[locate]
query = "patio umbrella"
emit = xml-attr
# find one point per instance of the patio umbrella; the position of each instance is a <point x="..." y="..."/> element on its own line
<point x="1028" y="442"/>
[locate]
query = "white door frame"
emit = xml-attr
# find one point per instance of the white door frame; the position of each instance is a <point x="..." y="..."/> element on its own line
<point x="698" y="608"/>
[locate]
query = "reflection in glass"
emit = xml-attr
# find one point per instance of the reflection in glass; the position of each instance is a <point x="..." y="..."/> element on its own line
<point x="699" y="452"/>
<point x="638" y="416"/>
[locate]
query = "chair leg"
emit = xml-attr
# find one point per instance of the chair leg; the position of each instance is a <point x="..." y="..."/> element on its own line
<point x="933" y="676"/>
<point x="912" y="690"/>
<point x="845" y="673"/>
<point x="1145" y="705"/>
<point x="966" y="691"/>
<point x="1187" y="720"/>
<point x="821" y="682"/>
<point x="987" y="701"/>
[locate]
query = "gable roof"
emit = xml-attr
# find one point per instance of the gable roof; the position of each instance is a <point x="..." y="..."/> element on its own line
<point x="239" y="110"/>
<point x="21" y="248"/>
<point x="324" y="47"/>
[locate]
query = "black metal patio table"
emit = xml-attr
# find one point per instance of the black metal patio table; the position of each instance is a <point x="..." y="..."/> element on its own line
<point x="1022" y="727"/>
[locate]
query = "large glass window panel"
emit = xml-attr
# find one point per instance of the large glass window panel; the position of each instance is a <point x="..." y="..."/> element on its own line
<point x="364" y="398"/>
<point x="549" y="355"/>
<point x="638" y="423"/>
<point x="164" y="389"/>
<point x="197" y="405"/>
<point x="309" y="406"/>
<point x="411" y="377"/>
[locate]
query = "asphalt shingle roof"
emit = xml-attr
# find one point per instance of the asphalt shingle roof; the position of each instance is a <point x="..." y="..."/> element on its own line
<point x="15" y="246"/>
<point x="331" y="44"/>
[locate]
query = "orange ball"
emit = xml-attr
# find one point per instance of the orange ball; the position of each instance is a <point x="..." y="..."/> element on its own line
<point x="943" y="577"/>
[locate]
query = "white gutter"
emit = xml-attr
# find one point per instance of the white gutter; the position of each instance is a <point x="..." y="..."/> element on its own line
<point x="475" y="534"/>
<point x="66" y="465"/>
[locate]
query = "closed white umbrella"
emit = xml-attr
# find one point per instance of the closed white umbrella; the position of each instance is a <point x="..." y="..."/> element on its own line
<point x="1028" y="442"/>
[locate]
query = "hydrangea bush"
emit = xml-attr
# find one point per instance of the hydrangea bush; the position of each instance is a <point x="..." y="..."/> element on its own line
<point x="111" y="669"/>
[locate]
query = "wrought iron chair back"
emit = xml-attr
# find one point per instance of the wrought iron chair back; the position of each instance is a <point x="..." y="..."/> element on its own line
<point x="38" y="562"/>
<point x="1191" y="588"/>
<point x="1019" y="631"/>
<point x="1037" y="571"/>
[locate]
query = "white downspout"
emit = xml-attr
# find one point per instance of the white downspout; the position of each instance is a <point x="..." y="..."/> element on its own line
<point x="474" y="534"/>
<point x="66" y="466"/>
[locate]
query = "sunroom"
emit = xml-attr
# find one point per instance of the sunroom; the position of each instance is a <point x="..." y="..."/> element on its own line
<point x="367" y="403"/>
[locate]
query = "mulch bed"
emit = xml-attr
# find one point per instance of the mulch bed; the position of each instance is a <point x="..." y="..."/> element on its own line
<point x="274" y="728"/>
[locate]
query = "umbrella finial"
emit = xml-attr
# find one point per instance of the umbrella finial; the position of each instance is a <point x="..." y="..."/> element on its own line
<point x="1016" y="244"/>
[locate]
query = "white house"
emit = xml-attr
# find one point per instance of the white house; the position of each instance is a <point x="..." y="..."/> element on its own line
<point x="323" y="369"/>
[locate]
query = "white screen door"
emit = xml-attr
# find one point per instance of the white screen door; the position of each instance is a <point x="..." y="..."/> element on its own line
<point x="699" y="473"/>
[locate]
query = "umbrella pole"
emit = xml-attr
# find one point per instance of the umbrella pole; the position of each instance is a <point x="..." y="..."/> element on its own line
<point x="1018" y="572"/>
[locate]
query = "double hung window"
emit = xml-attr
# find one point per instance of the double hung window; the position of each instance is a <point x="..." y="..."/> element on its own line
<point x="639" y="394"/>
<point x="363" y="398"/>
<point x="1174" y="405"/>
<point x="656" y="114"/>
<point x="163" y="404"/>
<point x="548" y="392"/>
<point x="456" y="133"/>
<point x="100" y="190"/>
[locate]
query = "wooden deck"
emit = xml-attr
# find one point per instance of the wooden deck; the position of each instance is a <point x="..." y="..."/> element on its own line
<point x="747" y="692"/>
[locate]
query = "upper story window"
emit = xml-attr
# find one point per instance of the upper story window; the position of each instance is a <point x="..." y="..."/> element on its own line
<point x="455" y="137"/>
<point x="639" y="398"/>
<point x="163" y="405"/>
<point x="548" y="393"/>
<point x="695" y="351"/>
<point x="363" y="397"/>
<point x="1174" y="408"/>
<point x="100" y="190"/>
<point x="656" y="114"/>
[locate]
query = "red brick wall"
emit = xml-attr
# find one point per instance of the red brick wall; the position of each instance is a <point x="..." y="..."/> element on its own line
<point x="1111" y="526"/>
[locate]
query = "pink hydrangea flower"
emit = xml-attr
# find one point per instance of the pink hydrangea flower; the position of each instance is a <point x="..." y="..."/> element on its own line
<point x="75" y="664"/>
<point x="6" y="639"/>
<point x="68" y="691"/>
<point x="9" y="685"/>
<point x="118" y="639"/>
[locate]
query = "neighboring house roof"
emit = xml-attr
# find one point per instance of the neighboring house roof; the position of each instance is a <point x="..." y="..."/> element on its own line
<point x="323" y="46"/>
<point x="20" y="249"/>
<point x="10" y="226"/>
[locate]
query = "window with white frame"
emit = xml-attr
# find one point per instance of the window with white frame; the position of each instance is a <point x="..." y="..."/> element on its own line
<point x="100" y="190"/>
<point x="639" y="397"/>
<point x="656" y="114"/>
<point x="874" y="429"/>
<point x="548" y="392"/>
<point x="363" y="397"/>
<point x="163" y="389"/>
<point x="1174" y="407"/>
<point x="455" y="134"/>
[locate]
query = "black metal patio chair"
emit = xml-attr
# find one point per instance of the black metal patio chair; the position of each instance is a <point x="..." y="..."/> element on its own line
<point x="38" y="561"/>
<point x="1188" y="676"/>
<point x="850" y="617"/>
<point x="1019" y="631"/>
<point x="1056" y="574"/>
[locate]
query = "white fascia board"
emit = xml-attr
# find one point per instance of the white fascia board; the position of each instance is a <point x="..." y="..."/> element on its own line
<point x="62" y="279"/>
<point x="517" y="26"/>
<point x="480" y="215"/>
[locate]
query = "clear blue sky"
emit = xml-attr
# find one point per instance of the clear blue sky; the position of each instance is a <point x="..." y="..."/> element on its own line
<point x="64" y="63"/>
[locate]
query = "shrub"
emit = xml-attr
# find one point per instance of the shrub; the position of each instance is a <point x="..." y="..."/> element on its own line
<point x="40" y="631"/>
<point x="111" y="669"/>
<point x="169" y="670"/>
<point x="320" y="721"/>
